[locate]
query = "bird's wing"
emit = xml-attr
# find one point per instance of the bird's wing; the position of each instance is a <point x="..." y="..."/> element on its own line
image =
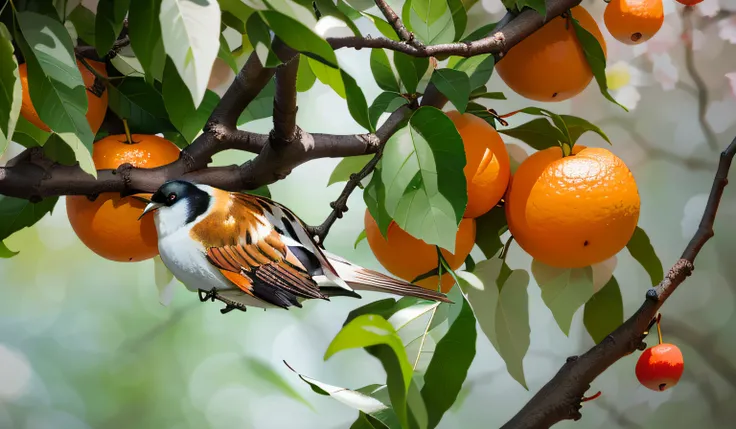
<point x="244" y="245"/>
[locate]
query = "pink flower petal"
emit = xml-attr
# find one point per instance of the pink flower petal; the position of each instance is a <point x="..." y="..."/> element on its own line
<point x="727" y="29"/>
<point x="709" y="8"/>
<point x="664" y="71"/>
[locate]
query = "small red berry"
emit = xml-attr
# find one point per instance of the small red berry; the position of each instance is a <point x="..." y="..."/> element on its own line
<point x="660" y="367"/>
<point x="689" y="2"/>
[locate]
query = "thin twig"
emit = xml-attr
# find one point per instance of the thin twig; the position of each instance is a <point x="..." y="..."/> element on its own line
<point x="398" y="26"/>
<point x="687" y="33"/>
<point x="559" y="399"/>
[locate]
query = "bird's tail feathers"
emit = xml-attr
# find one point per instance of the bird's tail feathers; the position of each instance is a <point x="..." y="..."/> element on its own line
<point x="360" y="278"/>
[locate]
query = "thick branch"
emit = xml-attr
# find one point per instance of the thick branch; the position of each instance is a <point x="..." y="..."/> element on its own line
<point x="396" y="23"/>
<point x="284" y="103"/>
<point x="560" y="398"/>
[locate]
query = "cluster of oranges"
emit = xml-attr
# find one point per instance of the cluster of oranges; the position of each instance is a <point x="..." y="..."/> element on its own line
<point x="108" y="224"/>
<point x="550" y="64"/>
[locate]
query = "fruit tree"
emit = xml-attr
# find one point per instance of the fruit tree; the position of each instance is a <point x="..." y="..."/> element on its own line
<point x="104" y="101"/>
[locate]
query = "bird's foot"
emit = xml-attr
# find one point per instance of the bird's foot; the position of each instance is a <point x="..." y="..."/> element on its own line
<point x="228" y="308"/>
<point x="204" y="295"/>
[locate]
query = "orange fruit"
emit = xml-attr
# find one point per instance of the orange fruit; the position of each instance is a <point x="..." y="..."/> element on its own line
<point x="487" y="169"/>
<point x="550" y="64"/>
<point x="574" y="211"/>
<point x="96" y="106"/>
<point x="109" y="225"/>
<point x="407" y="257"/>
<point x="660" y="367"/>
<point x="633" y="21"/>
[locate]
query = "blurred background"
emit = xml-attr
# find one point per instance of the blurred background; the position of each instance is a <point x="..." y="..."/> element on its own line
<point x="84" y="342"/>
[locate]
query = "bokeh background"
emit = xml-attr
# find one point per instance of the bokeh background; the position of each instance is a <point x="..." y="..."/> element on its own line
<point x="85" y="343"/>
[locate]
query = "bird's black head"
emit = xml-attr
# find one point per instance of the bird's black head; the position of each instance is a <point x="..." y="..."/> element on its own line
<point x="179" y="201"/>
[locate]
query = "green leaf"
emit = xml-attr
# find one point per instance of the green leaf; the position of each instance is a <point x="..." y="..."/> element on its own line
<point x="386" y="102"/>
<point x="478" y="68"/>
<point x="237" y="8"/>
<point x="300" y="37"/>
<point x="141" y="105"/>
<point x="449" y="366"/>
<point x="455" y="85"/>
<point x="29" y="135"/>
<point x="225" y="55"/>
<point x="538" y="133"/>
<point x="55" y="84"/>
<point x="144" y="30"/>
<point x="261" y="107"/>
<point x="11" y="96"/>
<point x="372" y="330"/>
<point x="304" y="76"/>
<point x="481" y="92"/>
<point x="422" y="170"/>
<point x="191" y="37"/>
<point x="481" y="112"/>
<point x="5" y="252"/>
<point x="480" y="32"/>
<point x="328" y="75"/>
<point x="57" y="150"/>
<point x="383" y="307"/>
<point x="382" y="71"/>
<point x="362" y="236"/>
<point x="348" y="166"/>
<point x="374" y="196"/>
<point x="84" y="22"/>
<point x="382" y="26"/>
<point x="431" y="21"/>
<point x="578" y="126"/>
<point x="502" y="310"/>
<point x="260" y="37"/>
<point x="109" y="23"/>
<point x="328" y="7"/>
<point x="357" y="106"/>
<point x="642" y="250"/>
<point x="459" y="17"/>
<point x="604" y="312"/>
<point x="556" y="120"/>
<point x="410" y="70"/>
<point x="596" y="59"/>
<point x="182" y="112"/>
<point x="264" y="371"/>
<point x="539" y="5"/>
<point x="17" y="213"/>
<point x="365" y="421"/>
<point x="488" y="229"/>
<point x="564" y="290"/>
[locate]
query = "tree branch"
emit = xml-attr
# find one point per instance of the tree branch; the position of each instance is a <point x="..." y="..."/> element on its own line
<point x="560" y="398"/>
<point x="396" y="23"/>
<point x="285" y="129"/>
<point x="687" y="34"/>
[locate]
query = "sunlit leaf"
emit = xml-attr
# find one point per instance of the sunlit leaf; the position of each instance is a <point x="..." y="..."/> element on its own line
<point x="346" y="167"/>
<point x="305" y="76"/>
<point x="328" y="76"/>
<point x="538" y="133"/>
<point x="357" y="106"/>
<point x="225" y="55"/>
<point x="180" y="106"/>
<point x="374" y="331"/>
<point x="578" y="126"/>
<point x="261" y="107"/>
<point x="382" y="71"/>
<point x="564" y="290"/>
<point x="642" y="250"/>
<point x="386" y="102"/>
<point x="11" y="96"/>
<point x="459" y="17"/>
<point x="190" y="31"/>
<point x="455" y="85"/>
<point x="362" y="236"/>
<point x="410" y="70"/>
<point x="604" y="312"/>
<point x="478" y="68"/>
<point x="422" y="173"/>
<point x="5" y="252"/>
<point x="374" y="196"/>
<point x="299" y="37"/>
<point x="431" y="21"/>
<point x="383" y="27"/>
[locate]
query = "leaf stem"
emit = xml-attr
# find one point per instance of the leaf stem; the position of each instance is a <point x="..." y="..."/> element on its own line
<point x="424" y="336"/>
<point x="128" y="136"/>
<point x="659" y="328"/>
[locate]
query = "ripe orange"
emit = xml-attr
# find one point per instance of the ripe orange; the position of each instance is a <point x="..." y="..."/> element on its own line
<point x="407" y="257"/>
<point x="633" y="21"/>
<point x="487" y="167"/>
<point x="550" y="64"/>
<point x="660" y="367"/>
<point x="96" y="106"/>
<point x="574" y="211"/>
<point x="109" y="225"/>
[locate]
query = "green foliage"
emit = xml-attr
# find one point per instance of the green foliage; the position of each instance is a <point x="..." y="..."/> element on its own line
<point x="55" y="83"/>
<point x="10" y="97"/>
<point x="382" y="71"/>
<point x="642" y="250"/>
<point x="478" y="68"/>
<point x="144" y="30"/>
<point x="260" y="38"/>
<point x="187" y="118"/>
<point x="261" y="107"/>
<point x="108" y="23"/>
<point x="357" y="106"/>
<point x="300" y="37"/>
<point x="305" y="77"/>
<point x="538" y="5"/>
<point x="84" y="23"/>
<point x="488" y="230"/>
<point x="346" y="167"/>
<point x="455" y="85"/>
<point x="374" y="196"/>
<point x="564" y="290"/>
<point x="430" y="20"/>
<point x="17" y="213"/>
<point x="386" y="102"/>
<point x="141" y="105"/>
<point x="604" y="312"/>
<point x="5" y="252"/>
<point x="595" y="57"/>
<point x="410" y="70"/>
<point x="422" y="172"/>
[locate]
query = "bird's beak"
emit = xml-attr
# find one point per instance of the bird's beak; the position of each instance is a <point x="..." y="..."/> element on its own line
<point x="150" y="208"/>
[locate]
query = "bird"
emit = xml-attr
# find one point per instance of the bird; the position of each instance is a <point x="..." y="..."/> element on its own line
<point x="247" y="250"/>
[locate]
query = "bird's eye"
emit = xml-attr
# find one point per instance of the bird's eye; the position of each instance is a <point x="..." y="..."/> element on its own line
<point x="172" y="198"/>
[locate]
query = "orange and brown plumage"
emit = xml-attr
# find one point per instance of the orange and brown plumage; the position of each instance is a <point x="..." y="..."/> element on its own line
<point x="247" y="250"/>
